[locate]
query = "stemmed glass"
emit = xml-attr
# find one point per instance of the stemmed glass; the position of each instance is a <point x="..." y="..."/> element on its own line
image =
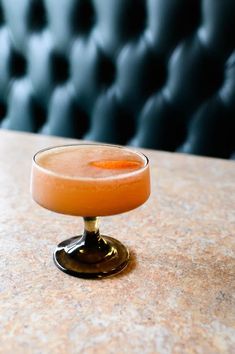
<point x="90" y="180"/>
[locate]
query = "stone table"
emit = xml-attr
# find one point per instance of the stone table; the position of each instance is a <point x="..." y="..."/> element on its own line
<point x="177" y="294"/>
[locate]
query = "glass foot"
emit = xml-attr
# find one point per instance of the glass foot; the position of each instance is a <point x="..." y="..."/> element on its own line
<point x="80" y="258"/>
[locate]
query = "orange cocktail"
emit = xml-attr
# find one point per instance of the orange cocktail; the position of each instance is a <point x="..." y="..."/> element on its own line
<point x="90" y="180"/>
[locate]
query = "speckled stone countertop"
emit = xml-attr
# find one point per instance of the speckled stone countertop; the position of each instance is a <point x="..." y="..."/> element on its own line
<point x="176" y="296"/>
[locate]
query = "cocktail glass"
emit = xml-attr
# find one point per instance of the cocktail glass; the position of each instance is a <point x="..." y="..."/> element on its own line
<point x="90" y="180"/>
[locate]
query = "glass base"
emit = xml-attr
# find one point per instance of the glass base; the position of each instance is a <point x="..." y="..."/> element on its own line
<point x="75" y="257"/>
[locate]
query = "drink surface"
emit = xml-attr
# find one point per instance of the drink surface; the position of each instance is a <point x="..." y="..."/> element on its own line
<point x="90" y="180"/>
<point x="97" y="161"/>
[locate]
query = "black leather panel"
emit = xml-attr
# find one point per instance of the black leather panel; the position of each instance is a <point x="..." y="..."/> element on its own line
<point x="218" y="27"/>
<point x="150" y="73"/>
<point x="111" y="122"/>
<point x="194" y="75"/>
<point x="212" y="126"/>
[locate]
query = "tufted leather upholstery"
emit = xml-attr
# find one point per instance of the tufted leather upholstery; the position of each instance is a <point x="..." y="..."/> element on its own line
<point x="151" y="73"/>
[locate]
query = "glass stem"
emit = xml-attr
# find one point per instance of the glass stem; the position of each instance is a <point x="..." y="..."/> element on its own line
<point x="91" y="234"/>
<point x="90" y="237"/>
<point x="91" y="224"/>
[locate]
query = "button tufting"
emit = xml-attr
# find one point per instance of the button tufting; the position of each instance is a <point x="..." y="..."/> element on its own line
<point x="107" y="71"/>
<point x="194" y="75"/>
<point x="17" y="64"/>
<point x="1" y="15"/>
<point x="3" y="110"/>
<point x="111" y="122"/>
<point x="161" y="124"/>
<point x="139" y="73"/>
<point x="65" y="113"/>
<point x="39" y="114"/>
<point x="87" y="64"/>
<point x="36" y="16"/>
<point x="171" y="20"/>
<point x="153" y="73"/>
<point x="134" y="17"/>
<point x="82" y="16"/>
<point x="59" y="68"/>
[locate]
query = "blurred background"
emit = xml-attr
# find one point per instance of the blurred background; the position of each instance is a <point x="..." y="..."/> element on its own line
<point x="158" y="74"/>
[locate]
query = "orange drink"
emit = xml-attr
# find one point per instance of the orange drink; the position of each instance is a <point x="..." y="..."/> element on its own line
<point x="90" y="180"/>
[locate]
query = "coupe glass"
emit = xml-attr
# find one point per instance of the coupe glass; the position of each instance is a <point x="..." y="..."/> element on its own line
<point x="90" y="180"/>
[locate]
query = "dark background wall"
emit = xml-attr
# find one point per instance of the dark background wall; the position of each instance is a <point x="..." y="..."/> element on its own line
<point x="156" y="73"/>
